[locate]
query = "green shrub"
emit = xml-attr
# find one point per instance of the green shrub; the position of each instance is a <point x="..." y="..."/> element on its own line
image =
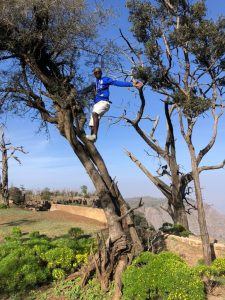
<point x="161" y="276"/>
<point x="16" y="232"/>
<point x="218" y="266"/>
<point x="3" y="206"/>
<point x="46" y="194"/>
<point x="75" y="232"/>
<point x="175" y="229"/>
<point x="58" y="273"/>
<point x="19" y="270"/>
<point x="59" y="257"/>
<point x="16" y="195"/>
<point x="28" y="262"/>
<point x="34" y="234"/>
<point x="211" y="275"/>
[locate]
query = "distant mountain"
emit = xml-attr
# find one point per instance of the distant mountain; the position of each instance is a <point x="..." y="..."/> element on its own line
<point x="156" y="216"/>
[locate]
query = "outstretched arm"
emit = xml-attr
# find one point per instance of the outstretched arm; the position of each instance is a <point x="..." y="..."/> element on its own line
<point x="124" y="83"/>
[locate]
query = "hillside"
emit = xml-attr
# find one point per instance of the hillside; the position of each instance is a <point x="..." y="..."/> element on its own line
<point x="156" y="216"/>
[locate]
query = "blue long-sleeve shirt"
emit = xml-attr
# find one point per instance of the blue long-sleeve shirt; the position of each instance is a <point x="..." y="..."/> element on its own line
<point x="102" y="87"/>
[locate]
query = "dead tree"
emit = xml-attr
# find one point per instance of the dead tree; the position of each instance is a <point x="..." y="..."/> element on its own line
<point x="176" y="192"/>
<point x="48" y="43"/>
<point x="8" y="151"/>
<point x="184" y="64"/>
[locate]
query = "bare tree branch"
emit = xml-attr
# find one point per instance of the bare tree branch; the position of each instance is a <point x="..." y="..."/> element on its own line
<point x="165" y="189"/>
<point x="141" y="109"/>
<point x="206" y="149"/>
<point x="213" y="167"/>
<point x="131" y="48"/>
<point x="140" y="204"/>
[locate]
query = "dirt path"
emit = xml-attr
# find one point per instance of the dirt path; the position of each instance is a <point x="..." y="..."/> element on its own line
<point x="65" y="216"/>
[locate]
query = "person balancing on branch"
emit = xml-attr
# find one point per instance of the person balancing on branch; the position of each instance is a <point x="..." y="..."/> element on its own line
<point x="101" y="100"/>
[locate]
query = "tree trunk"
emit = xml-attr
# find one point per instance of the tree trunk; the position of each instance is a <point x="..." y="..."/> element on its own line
<point x="120" y="203"/>
<point x="180" y="215"/>
<point x="173" y="193"/>
<point x="120" y="247"/>
<point x="4" y="184"/>
<point x="207" y="253"/>
<point x="123" y="242"/>
<point x="176" y="210"/>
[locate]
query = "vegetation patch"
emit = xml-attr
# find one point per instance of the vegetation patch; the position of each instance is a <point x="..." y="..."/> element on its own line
<point x="28" y="262"/>
<point x="3" y="206"/>
<point x="175" y="229"/>
<point x="161" y="276"/>
<point x="71" y="290"/>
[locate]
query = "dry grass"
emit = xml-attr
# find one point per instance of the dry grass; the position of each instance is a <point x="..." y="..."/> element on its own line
<point x="217" y="294"/>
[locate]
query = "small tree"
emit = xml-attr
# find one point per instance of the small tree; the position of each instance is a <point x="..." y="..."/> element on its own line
<point x="16" y="195"/>
<point x="84" y="190"/>
<point x="46" y="194"/>
<point x="8" y="151"/>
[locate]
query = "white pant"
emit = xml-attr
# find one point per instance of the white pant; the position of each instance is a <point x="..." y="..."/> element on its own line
<point x="99" y="108"/>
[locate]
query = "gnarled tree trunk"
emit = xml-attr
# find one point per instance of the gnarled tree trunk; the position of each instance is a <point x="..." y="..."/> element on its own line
<point x="123" y="242"/>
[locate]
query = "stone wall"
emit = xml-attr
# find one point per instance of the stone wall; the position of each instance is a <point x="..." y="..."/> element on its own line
<point x="190" y="249"/>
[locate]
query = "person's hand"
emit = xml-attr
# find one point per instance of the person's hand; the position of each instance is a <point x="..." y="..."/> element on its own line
<point x="138" y="84"/>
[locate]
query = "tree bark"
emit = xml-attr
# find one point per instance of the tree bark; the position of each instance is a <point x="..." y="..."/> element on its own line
<point x="120" y="203"/>
<point x="4" y="183"/>
<point x="180" y="215"/>
<point x="207" y="253"/>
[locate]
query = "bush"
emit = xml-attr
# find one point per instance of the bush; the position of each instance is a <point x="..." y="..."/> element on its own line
<point x="3" y="206"/>
<point x="16" y="195"/>
<point x="59" y="257"/>
<point x="16" y="233"/>
<point x="175" y="229"/>
<point x="145" y="232"/>
<point x="46" y="194"/>
<point x="217" y="268"/>
<point x="58" y="273"/>
<point x="213" y="275"/>
<point x="28" y="262"/>
<point x="20" y="270"/>
<point x="163" y="276"/>
<point x="75" y="232"/>
<point x="34" y="234"/>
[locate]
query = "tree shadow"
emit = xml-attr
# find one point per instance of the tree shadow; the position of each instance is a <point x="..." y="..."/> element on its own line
<point x="19" y="222"/>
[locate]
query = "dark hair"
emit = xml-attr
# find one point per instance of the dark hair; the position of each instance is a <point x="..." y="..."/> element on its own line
<point x="97" y="69"/>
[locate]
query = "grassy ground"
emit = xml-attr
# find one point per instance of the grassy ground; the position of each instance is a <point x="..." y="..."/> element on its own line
<point x="55" y="223"/>
<point x="50" y="223"/>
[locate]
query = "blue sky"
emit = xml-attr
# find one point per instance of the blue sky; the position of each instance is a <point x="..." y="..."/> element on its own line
<point x="51" y="162"/>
